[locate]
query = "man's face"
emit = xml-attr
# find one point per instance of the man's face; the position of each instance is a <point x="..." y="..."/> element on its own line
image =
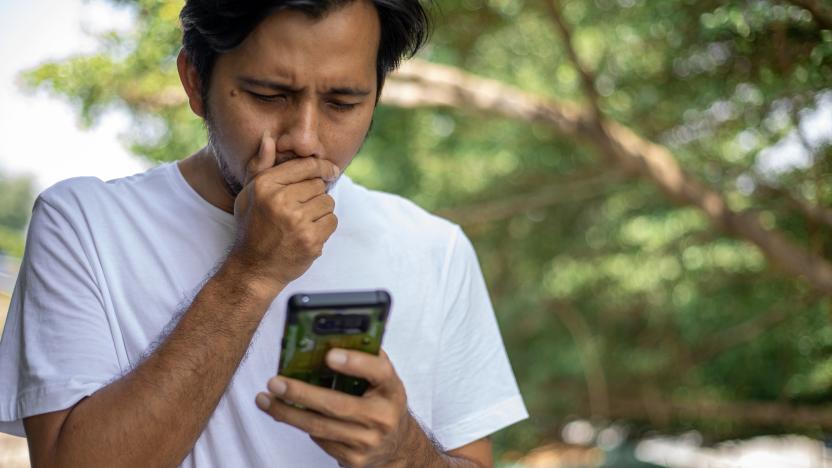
<point x="310" y="82"/>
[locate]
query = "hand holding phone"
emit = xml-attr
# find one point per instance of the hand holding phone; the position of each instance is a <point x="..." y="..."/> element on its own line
<point x="316" y="323"/>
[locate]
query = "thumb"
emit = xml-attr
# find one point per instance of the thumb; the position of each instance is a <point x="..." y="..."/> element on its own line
<point x="264" y="159"/>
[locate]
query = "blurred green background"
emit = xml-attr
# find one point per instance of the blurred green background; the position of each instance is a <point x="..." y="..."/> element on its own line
<point x="620" y="302"/>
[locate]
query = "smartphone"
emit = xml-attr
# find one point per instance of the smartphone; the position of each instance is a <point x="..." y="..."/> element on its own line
<point x="318" y="322"/>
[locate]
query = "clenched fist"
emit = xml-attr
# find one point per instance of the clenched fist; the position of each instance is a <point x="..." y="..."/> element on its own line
<point x="283" y="214"/>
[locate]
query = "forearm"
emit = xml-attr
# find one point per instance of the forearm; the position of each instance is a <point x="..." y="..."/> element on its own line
<point x="153" y="415"/>
<point x="439" y="459"/>
<point x="446" y="460"/>
<point x="423" y="451"/>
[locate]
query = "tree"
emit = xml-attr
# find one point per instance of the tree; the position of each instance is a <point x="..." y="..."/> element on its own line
<point x="645" y="261"/>
<point x="15" y="208"/>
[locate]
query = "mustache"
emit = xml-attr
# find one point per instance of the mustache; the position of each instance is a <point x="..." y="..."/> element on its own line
<point x="285" y="157"/>
<point x="234" y="186"/>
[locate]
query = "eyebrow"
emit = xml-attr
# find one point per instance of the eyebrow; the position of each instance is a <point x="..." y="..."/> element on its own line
<point x="340" y="90"/>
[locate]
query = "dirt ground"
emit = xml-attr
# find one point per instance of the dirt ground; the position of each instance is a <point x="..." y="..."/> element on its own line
<point x="13" y="452"/>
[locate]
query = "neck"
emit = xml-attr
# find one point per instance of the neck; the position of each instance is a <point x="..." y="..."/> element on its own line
<point x="203" y="174"/>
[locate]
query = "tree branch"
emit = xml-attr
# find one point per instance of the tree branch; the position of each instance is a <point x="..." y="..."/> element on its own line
<point x="422" y="84"/>
<point x="739" y="334"/>
<point x="815" y="213"/>
<point x="820" y="12"/>
<point x="587" y="79"/>
<point x="571" y="191"/>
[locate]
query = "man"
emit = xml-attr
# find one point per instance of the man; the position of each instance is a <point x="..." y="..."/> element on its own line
<point x="145" y="326"/>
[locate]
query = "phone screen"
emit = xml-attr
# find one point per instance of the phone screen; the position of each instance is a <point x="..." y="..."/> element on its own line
<point x="316" y="323"/>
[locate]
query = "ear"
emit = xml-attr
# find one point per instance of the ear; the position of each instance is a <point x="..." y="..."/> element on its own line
<point x="191" y="82"/>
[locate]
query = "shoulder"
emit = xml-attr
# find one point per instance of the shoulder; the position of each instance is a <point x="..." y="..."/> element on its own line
<point x="83" y="194"/>
<point x="397" y="216"/>
<point x="71" y="190"/>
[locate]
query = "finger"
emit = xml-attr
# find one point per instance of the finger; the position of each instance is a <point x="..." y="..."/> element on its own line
<point x="326" y="225"/>
<point x="264" y="159"/>
<point x="319" y="207"/>
<point x="315" y="424"/>
<point x="377" y="370"/>
<point x="300" y="169"/>
<point x="306" y="190"/>
<point x="328" y="402"/>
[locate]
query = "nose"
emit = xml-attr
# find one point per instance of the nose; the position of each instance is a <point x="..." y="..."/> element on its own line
<point x="299" y="136"/>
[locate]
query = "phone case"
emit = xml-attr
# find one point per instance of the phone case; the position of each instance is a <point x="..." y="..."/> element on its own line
<point x="317" y="322"/>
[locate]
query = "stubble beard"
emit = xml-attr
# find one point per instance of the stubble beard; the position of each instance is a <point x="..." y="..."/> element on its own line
<point x="232" y="183"/>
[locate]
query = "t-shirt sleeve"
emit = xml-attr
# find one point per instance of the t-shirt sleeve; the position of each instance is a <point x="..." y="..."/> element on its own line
<point x="475" y="392"/>
<point x="57" y="346"/>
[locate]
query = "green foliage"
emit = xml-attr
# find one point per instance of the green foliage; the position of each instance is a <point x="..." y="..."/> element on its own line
<point x="657" y="287"/>
<point x="16" y="203"/>
<point x="15" y="209"/>
<point x="11" y="242"/>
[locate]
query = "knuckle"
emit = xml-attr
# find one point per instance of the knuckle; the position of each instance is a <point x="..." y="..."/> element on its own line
<point x="386" y="422"/>
<point x="387" y="372"/>
<point x="357" y="460"/>
<point x="329" y="202"/>
<point x="372" y="440"/>
<point x="315" y="428"/>
<point x="297" y="220"/>
<point x="307" y="240"/>
<point x="327" y="409"/>
<point x="276" y="412"/>
<point x="309" y="164"/>
<point x="280" y="197"/>
<point x="278" y="212"/>
<point x="257" y="187"/>
<point x="330" y="407"/>
<point x="353" y="411"/>
<point x="400" y="395"/>
<point x="381" y="418"/>
<point x="291" y="217"/>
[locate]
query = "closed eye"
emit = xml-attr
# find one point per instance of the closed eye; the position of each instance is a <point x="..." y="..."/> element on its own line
<point x="268" y="97"/>
<point x="342" y="106"/>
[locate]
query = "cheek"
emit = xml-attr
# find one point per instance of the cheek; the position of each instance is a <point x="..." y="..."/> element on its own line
<point x="238" y="128"/>
<point x="348" y="140"/>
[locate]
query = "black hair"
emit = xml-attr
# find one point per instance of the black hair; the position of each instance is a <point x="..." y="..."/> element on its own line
<point x="213" y="27"/>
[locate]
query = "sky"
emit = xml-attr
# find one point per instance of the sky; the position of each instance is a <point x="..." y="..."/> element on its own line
<point x="39" y="134"/>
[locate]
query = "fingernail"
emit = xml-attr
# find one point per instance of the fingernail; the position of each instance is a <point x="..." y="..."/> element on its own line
<point x="336" y="357"/>
<point x="277" y="386"/>
<point x="335" y="172"/>
<point x="262" y="401"/>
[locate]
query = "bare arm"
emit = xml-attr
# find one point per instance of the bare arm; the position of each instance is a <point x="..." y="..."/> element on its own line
<point x="477" y="454"/>
<point x="153" y="415"/>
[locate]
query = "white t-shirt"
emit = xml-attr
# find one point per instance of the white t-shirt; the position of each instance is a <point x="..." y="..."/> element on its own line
<point x="109" y="266"/>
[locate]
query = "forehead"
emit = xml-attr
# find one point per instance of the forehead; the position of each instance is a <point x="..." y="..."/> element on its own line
<point x="340" y="46"/>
